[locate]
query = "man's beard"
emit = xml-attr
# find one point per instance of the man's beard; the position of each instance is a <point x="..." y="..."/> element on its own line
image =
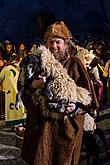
<point x="59" y="55"/>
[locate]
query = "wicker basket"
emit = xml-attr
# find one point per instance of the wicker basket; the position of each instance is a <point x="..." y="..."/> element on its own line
<point x="19" y="130"/>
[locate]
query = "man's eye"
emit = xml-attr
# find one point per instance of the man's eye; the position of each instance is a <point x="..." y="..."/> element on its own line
<point x="58" y="42"/>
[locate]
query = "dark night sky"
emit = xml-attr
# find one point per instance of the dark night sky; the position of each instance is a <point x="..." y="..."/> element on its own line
<point x="27" y="20"/>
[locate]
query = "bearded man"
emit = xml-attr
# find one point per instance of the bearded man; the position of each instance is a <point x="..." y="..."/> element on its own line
<point x="48" y="141"/>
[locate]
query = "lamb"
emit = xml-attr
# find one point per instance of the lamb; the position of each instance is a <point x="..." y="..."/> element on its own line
<point x="60" y="87"/>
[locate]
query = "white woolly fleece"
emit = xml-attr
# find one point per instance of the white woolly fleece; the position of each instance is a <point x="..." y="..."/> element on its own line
<point x="62" y="85"/>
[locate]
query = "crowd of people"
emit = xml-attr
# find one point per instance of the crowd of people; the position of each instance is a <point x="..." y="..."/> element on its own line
<point x="10" y="58"/>
<point x="47" y="140"/>
<point x="99" y="68"/>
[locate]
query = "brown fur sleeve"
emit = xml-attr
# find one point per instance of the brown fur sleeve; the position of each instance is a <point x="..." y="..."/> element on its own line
<point x="80" y="75"/>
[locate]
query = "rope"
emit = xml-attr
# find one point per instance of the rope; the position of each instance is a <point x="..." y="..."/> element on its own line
<point x="19" y="137"/>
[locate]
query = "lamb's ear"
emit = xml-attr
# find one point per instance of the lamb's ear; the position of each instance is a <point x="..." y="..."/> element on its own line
<point x="39" y="46"/>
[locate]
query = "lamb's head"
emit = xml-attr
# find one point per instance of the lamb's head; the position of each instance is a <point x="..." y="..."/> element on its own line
<point x="34" y="66"/>
<point x="42" y="60"/>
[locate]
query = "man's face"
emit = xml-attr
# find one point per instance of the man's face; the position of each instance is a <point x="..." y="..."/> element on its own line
<point x="9" y="47"/>
<point x="22" y="47"/>
<point x="57" y="46"/>
<point x="88" y="58"/>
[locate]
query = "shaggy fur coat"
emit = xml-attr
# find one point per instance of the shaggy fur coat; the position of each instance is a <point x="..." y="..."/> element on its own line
<point x="62" y="86"/>
<point x="51" y="142"/>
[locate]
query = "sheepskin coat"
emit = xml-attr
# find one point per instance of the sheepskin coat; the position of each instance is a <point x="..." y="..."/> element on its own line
<point x="51" y="142"/>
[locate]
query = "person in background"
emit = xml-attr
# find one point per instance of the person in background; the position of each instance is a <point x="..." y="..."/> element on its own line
<point x="9" y="50"/>
<point x="22" y="52"/>
<point x="8" y="82"/>
<point x="107" y="71"/>
<point x="102" y="52"/>
<point x="48" y="141"/>
<point x="2" y="93"/>
<point x="2" y="62"/>
<point x="34" y="47"/>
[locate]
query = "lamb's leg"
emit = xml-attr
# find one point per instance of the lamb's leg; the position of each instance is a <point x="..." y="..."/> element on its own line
<point x="85" y="108"/>
<point x="18" y="100"/>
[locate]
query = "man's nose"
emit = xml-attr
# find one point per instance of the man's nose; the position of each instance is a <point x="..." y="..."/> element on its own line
<point x="54" y="45"/>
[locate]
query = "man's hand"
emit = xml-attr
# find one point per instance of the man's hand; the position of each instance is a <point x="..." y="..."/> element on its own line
<point x="71" y="107"/>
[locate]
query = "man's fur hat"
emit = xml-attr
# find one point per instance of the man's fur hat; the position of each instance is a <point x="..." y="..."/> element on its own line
<point x="58" y="29"/>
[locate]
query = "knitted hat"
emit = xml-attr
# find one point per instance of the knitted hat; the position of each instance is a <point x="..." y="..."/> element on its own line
<point x="58" y="29"/>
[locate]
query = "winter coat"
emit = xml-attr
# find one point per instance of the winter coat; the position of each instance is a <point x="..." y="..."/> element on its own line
<point x="8" y="80"/>
<point x="51" y="142"/>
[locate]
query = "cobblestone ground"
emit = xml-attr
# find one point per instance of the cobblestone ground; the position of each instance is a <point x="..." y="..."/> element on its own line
<point x="10" y="154"/>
